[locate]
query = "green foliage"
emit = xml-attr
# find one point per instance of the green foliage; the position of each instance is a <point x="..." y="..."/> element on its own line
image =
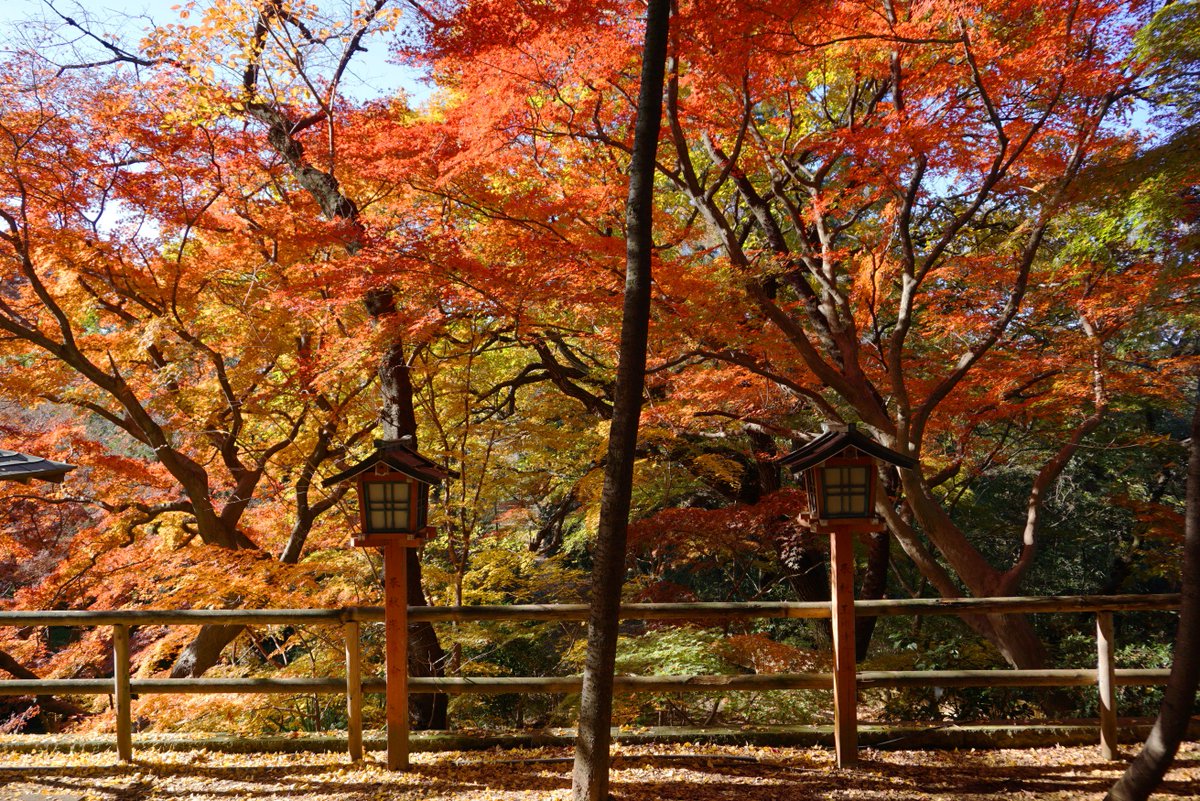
<point x="1141" y="649"/>
<point x="1171" y="42"/>
<point x="938" y="643"/>
<point x="684" y="651"/>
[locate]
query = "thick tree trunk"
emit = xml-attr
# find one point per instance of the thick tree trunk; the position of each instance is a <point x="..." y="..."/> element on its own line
<point x="874" y="586"/>
<point x="590" y="776"/>
<point x="1147" y="770"/>
<point x="807" y="576"/>
<point x="1013" y="635"/>
<point x="204" y="651"/>
<point x="398" y="417"/>
<point x="398" y="414"/>
<point x="425" y="657"/>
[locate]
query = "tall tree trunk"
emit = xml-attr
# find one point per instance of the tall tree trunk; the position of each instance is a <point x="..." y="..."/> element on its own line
<point x="426" y="658"/>
<point x="398" y="414"/>
<point x="203" y="651"/>
<point x="590" y="777"/>
<point x="874" y="585"/>
<point x="398" y="417"/>
<point x="807" y="576"/>
<point x="1147" y="770"/>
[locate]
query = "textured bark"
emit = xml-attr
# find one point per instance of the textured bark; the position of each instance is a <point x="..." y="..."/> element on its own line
<point x="807" y="576"/>
<point x="549" y="538"/>
<point x="874" y="587"/>
<point x="1148" y="768"/>
<point x="398" y="414"/>
<point x="203" y="651"/>
<point x="590" y="776"/>
<point x="47" y="703"/>
<point x="426" y="658"/>
<point x="765" y="467"/>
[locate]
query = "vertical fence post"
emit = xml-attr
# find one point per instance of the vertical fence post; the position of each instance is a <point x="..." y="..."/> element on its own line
<point x="395" y="627"/>
<point x="354" y="698"/>
<point x="845" y="689"/>
<point x="120" y="639"/>
<point x="1106" y="681"/>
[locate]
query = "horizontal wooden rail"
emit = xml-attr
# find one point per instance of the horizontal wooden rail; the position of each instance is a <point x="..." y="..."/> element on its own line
<point x="1019" y="605"/>
<point x="501" y="685"/>
<point x="578" y="612"/>
<point x="353" y="685"/>
<point x="1003" y="678"/>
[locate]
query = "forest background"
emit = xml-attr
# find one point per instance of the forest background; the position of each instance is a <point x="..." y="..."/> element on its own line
<point x="969" y="229"/>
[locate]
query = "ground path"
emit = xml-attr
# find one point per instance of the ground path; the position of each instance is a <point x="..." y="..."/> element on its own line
<point x="641" y="773"/>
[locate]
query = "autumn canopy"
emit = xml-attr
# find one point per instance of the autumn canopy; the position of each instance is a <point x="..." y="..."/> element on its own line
<point x="228" y="265"/>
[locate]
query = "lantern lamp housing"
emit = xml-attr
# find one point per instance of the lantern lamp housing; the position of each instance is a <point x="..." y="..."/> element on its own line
<point x="393" y="493"/>
<point x="391" y="502"/>
<point x="838" y="473"/>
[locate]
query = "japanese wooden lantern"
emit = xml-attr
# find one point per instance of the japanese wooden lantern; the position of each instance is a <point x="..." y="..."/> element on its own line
<point x="393" y="493"/>
<point x="838" y="472"/>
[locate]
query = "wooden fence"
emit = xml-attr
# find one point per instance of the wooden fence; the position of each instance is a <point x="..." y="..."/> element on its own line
<point x="353" y="685"/>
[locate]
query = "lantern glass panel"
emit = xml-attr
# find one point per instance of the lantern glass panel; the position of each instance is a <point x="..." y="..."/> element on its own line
<point x="389" y="506"/>
<point x="812" y="491"/>
<point x="846" y="491"/>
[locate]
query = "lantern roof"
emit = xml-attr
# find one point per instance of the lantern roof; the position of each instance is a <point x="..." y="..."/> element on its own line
<point x="17" y="466"/>
<point x="835" y="440"/>
<point x="396" y="455"/>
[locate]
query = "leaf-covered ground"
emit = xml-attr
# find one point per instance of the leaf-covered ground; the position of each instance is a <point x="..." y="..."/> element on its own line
<point x="687" y="773"/>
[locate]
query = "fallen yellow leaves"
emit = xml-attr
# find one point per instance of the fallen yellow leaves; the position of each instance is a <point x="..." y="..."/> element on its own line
<point x="640" y="773"/>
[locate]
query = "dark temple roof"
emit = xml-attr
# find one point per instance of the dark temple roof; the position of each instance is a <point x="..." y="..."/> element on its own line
<point x="16" y="466"/>
<point x="399" y="457"/>
<point x="831" y="443"/>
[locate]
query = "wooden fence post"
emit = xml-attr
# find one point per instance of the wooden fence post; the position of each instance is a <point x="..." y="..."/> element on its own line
<point x="395" y="625"/>
<point x="120" y="638"/>
<point x="354" y="698"/>
<point x="1106" y="681"/>
<point x="845" y="688"/>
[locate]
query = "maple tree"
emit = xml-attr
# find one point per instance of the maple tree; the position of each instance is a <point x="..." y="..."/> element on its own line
<point x="323" y="287"/>
<point x="911" y="215"/>
<point x="865" y="214"/>
<point x="151" y="287"/>
<point x="193" y="302"/>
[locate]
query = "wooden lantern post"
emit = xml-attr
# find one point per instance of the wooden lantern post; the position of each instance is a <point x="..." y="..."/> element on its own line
<point x="839" y="472"/>
<point x="393" y="504"/>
